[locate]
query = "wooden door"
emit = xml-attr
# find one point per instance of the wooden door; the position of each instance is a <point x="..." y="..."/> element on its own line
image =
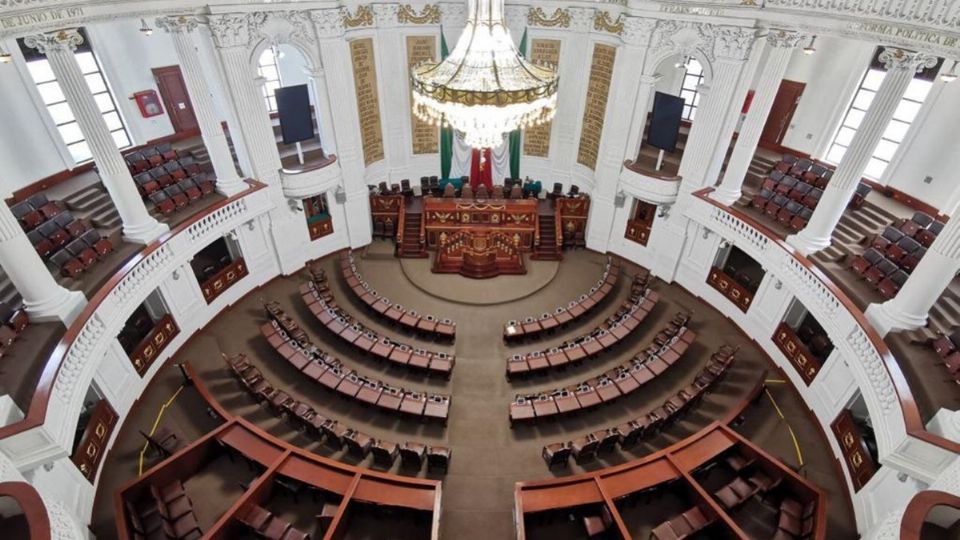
<point x="781" y="113"/>
<point x="175" y="98"/>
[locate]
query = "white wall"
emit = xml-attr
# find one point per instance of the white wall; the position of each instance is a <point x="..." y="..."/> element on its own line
<point x="832" y="76"/>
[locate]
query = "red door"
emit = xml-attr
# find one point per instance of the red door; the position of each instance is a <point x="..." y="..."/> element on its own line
<point x="175" y="98"/>
<point x="781" y="113"/>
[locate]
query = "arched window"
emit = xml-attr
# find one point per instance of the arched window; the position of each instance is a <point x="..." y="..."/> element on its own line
<point x="692" y="79"/>
<point x="267" y="68"/>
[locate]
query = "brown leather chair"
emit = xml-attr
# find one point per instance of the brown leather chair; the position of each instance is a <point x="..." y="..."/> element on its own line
<point x="556" y="454"/>
<point x="449" y="191"/>
<point x="438" y="458"/>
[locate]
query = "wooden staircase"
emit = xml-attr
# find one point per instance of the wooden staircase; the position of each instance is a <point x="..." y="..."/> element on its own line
<point x="410" y="246"/>
<point x="547" y="249"/>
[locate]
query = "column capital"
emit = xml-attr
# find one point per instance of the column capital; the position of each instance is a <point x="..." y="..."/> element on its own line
<point x="329" y="23"/>
<point x="235" y="29"/>
<point x="734" y="42"/>
<point x="61" y="40"/>
<point x="178" y="24"/>
<point x="785" y="39"/>
<point x="894" y="58"/>
<point x="638" y="30"/>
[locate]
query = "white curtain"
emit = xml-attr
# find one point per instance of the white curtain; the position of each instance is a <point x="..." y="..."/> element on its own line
<point x="463" y="154"/>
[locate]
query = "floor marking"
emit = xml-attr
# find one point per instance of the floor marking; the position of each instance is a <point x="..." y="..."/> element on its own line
<point x="163" y="409"/>
<point x="793" y="436"/>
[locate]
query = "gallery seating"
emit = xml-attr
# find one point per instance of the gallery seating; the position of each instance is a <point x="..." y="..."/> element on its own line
<point x="265" y="524"/>
<point x="683" y="525"/>
<point x="168" y="178"/>
<point x="616" y="328"/>
<point x="169" y="511"/>
<point x="285" y="336"/>
<point x="530" y="326"/>
<point x="668" y="347"/>
<point x="12" y="323"/>
<point x="302" y="416"/>
<point x="319" y="300"/>
<point x="896" y="252"/>
<point x="409" y="319"/>
<point x="586" y="448"/>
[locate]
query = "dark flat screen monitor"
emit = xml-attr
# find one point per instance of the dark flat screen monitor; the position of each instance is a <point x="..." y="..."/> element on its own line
<point x="665" y="121"/>
<point x="293" y="108"/>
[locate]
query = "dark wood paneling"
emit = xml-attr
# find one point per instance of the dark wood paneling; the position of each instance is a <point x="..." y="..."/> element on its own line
<point x="153" y="343"/>
<point x="860" y="464"/>
<point x="806" y="364"/>
<point x="222" y="280"/>
<point x="735" y="292"/>
<point x="93" y="443"/>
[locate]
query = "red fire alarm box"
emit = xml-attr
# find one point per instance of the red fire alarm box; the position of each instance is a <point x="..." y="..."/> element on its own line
<point x="149" y="103"/>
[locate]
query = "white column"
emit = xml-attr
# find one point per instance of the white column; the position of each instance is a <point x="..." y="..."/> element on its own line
<point x="901" y="67"/>
<point x="640" y="111"/>
<point x="710" y="127"/>
<point x="43" y="297"/>
<point x="138" y="225"/>
<point x="215" y="140"/>
<point x="325" y="127"/>
<point x="909" y="309"/>
<point x="780" y="47"/>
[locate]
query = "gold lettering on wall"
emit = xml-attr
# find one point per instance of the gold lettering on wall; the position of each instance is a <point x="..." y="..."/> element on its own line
<point x="598" y="89"/>
<point x="425" y="137"/>
<point x="536" y="139"/>
<point x="368" y="100"/>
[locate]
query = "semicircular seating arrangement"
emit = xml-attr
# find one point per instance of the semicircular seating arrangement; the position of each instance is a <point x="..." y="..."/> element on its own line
<point x="306" y="420"/>
<point x="532" y="326"/>
<point x="396" y="314"/>
<point x="628" y="434"/>
<point x="291" y="342"/>
<point x="667" y="348"/>
<point x="319" y="299"/>
<point x="615" y="329"/>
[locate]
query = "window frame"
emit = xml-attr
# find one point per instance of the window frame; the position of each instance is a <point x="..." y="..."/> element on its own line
<point x="690" y="109"/>
<point x="269" y="96"/>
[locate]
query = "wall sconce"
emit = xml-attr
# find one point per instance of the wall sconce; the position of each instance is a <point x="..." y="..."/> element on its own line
<point x="663" y="211"/>
<point x="620" y="199"/>
<point x="724" y="244"/>
<point x="778" y="285"/>
<point x="948" y="76"/>
<point x="250" y="225"/>
<point x="5" y="57"/>
<point x="706" y="234"/>
<point x="811" y="47"/>
<point x="295" y="205"/>
<point x="176" y="274"/>
<point x="144" y="29"/>
<point x="340" y="195"/>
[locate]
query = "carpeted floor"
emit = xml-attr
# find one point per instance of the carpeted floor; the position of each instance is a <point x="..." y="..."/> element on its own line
<point x="488" y="456"/>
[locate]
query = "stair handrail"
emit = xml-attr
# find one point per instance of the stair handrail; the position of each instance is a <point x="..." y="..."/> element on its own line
<point x="536" y="233"/>
<point x="558" y="229"/>
<point x="423" y="229"/>
<point x="401" y="221"/>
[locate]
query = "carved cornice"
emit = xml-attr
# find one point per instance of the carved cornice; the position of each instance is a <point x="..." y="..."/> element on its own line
<point x="784" y="39"/>
<point x="684" y="37"/>
<point x="386" y="15"/>
<point x="363" y="17"/>
<point x="637" y="30"/>
<point x="899" y="59"/>
<point x="429" y="15"/>
<point x="181" y="23"/>
<point x="602" y="23"/>
<point x="235" y="29"/>
<point x="734" y="42"/>
<point x="581" y="19"/>
<point x="328" y="23"/>
<point x="63" y="40"/>
<point x="559" y="19"/>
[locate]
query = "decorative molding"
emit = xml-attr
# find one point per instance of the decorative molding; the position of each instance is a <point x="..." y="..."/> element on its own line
<point x="637" y="30"/>
<point x="734" y="42"/>
<point x="581" y="19"/>
<point x="55" y="41"/>
<point x="900" y="59"/>
<point x="386" y="15"/>
<point x="684" y="37"/>
<point x="602" y="23"/>
<point x="235" y="29"/>
<point x="559" y="19"/>
<point x="329" y="23"/>
<point x="784" y="39"/>
<point x="429" y="15"/>
<point x="363" y="17"/>
<point x="181" y="23"/>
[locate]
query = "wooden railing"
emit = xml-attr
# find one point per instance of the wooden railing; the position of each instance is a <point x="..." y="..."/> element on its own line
<point x="829" y="303"/>
<point x="35" y="512"/>
<point x="920" y="507"/>
<point x="69" y="365"/>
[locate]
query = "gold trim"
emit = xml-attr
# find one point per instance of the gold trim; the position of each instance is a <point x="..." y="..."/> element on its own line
<point x="560" y="18"/>
<point x="363" y="17"/>
<point x="430" y="15"/>
<point x="602" y="23"/>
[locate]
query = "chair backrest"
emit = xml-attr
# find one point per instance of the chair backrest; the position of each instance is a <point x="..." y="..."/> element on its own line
<point x="21" y="209"/>
<point x="449" y="190"/>
<point x="776" y="175"/>
<point x="405" y="184"/>
<point x="482" y="192"/>
<point x="91" y="237"/>
<point x="516" y="192"/>
<point x="61" y="258"/>
<point x="48" y="228"/>
<point x="892" y="234"/>
<point x="936" y="227"/>
<point x="187" y="160"/>
<point x="158" y="196"/>
<point x="64" y="219"/>
<point x="908" y="244"/>
<point x="574" y="190"/>
<point x="382" y="186"/>
<point x="38" y="201"/>
<point x="923" y="219"/>
<point x="163" y="148"/>
<point x="872" y="256"/>
<point x="466" y="191"/>
<point x="77" y="246"/>
<point x="557" y="188"/>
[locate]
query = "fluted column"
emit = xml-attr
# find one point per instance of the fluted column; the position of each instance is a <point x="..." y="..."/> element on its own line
<point x="901" y="67"/>
<point x="640" y="111"/>
<point x="215" y="140"/>
<point x="138" y="225"/>
<point x="710" y="127"/>
<point x="780" y="47"/>
<point x="43" y="297"/>
<point x="325" y="127"/>
<point x="910" y="308"/>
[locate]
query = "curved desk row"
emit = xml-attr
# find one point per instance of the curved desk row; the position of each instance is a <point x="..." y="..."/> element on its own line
<point x="368" y="341"/>
<point x="631" y="314"/>
<point x="279" y="462"/>
<point x="677" y="466"/>
<point x="332" y="374"/>
<point x="615" y="383"/>
<point x="531" y="326"/>
<point x="395" y="313"/>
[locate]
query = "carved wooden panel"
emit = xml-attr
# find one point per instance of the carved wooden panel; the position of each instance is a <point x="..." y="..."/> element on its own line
<point x="368" y="100"/>
<point x="806" y="364"/>
<point x="860" y="464"/>
<point x="735" y="292"/>
<point x="598" y="89"/>
<point x="153" y="343"/>
<point x="93" y="442"/>
<point x="536" y="139"/>
<point x="222" y="280"/>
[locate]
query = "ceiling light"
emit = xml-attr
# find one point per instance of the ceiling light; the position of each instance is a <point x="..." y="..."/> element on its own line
<point x="146" y="30"/>
<point x="484" y="88"/>
<point x="950" y="75"/>
<point x="681" y="62"/>
<point x="810" y="49"/>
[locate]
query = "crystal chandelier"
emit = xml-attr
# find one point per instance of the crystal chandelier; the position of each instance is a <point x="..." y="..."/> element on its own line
<point x="484" y="88"/>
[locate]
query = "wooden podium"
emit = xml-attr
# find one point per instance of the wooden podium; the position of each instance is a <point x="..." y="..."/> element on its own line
<point x="478" y="254"/>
